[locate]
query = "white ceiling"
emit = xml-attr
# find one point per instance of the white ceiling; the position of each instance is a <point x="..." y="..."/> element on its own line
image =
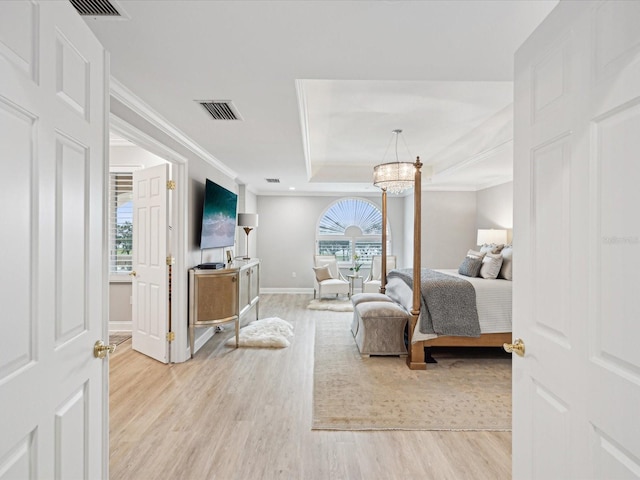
<point x="320" y="85"/>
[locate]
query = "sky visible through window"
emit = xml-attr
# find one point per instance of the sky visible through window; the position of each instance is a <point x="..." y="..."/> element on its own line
<point x="335" y="237"/>
<point x="351" y="212"/>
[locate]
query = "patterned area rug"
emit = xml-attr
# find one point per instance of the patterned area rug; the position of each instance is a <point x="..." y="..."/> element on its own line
<point x="463" y="391"/>
<point x="119" y="338"/>
<point x="334" y="305"/>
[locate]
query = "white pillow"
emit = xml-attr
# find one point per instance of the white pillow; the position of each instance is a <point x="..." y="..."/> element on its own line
<point x="475" y="254"/>
<point x="506" y="271"/>
<point x="491" y="264"/>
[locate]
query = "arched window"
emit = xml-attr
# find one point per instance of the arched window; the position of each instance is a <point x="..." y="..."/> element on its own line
<point x="351" y="226"/>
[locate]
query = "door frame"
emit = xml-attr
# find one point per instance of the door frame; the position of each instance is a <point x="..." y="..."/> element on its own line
<point x="178" y="237"/>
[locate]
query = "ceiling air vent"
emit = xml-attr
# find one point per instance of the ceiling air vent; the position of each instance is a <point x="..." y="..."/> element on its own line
<point x="95" y="8"/>
<point x="221" y="109"/>
<point x="272" y="180"/>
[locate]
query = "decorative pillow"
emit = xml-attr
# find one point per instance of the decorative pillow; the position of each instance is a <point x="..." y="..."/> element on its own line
<point x="492" y="248"/>
<point x="491" y="264"/>
<point x="475" y="254"/>
<point x="506" y="271"/>
<point x="322" y="273"/>
<point x="470" y="266"/>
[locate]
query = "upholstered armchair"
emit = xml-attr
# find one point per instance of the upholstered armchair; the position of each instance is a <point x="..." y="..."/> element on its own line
<point x="327" y="279"/>
<point x="372" y="283"/>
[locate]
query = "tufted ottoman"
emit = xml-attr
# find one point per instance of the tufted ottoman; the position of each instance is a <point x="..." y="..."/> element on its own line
<point x="381" y="327"/>
<point x="359" y="298"/>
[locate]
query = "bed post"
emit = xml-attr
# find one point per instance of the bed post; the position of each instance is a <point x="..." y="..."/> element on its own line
<point x="415" y="359"/>
<point x="383" y="266"/>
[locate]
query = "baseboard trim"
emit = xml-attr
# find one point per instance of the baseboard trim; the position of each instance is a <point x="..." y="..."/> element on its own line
<point x="204" y="337"/>
<point x="123" y="326"/>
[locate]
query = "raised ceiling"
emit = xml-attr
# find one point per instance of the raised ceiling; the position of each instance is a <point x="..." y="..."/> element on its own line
<point x="320" y="85"/>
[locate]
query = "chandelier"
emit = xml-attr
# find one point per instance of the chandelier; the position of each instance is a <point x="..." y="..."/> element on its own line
<point x="394" y="177"/>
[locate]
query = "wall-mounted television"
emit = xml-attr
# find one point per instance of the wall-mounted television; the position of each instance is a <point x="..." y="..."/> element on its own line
<point x="218" y="217"/>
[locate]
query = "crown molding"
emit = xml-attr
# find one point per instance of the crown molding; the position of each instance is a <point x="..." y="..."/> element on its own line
<point x="125" y="96"/>
<point x="304" y="126"/>
<point x="478" y="157"/>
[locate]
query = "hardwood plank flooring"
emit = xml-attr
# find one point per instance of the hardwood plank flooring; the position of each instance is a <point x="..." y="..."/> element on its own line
<point x="246" y="414"/>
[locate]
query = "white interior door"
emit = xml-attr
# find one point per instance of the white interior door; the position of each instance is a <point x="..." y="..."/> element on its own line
<point x="576" y="392"/>
<point x="53" y="392"/>
<point x="151" y="279"/>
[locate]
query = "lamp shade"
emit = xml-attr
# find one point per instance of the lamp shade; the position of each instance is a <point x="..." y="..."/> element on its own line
<point x="247" y="219"/>
<point x="394" y="177"/>
<point x="486" y="237"/>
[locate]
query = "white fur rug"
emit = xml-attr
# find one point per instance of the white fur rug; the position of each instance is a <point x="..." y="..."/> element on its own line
<point x="331" y="304"/>
<point x="271" y="332"/>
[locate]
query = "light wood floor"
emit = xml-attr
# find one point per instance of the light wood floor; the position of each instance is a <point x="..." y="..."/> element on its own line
<point x="246" y="414"/>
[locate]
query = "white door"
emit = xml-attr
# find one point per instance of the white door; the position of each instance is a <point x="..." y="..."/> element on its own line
<point x="53" y="392"/>
<point x="151" y="278"/>
<point x="576" y="391"/>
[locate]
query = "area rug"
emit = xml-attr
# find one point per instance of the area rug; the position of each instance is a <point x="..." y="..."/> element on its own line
<point x="271" y="332"/>
<point x="334" y="305"/>
<point x="119" y="338"/>
<point x="469" y="391"/>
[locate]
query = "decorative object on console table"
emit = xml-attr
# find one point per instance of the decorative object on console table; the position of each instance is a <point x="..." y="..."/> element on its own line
<point x="248" y="221"/>
<point x="489" y="236"/>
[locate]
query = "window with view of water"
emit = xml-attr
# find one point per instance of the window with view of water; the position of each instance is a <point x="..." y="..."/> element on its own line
<point x="349" y="227"/>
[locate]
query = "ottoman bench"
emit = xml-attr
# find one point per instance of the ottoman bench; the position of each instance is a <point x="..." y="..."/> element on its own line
<point x="381" y="328"/>
<point x="359" y="298"/>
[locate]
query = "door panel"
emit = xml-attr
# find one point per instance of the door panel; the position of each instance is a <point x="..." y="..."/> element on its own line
<point x="52" y="389"/>
<point x="577" y="240"/>
<point x="151" y="283"/>
<point x="17" y="134"/>
<point x="72" y="165"/>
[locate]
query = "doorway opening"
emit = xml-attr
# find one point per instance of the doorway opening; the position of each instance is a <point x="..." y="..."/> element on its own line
<point x="133" y="150"/>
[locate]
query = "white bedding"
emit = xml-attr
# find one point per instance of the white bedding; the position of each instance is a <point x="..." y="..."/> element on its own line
<point x="493" y="302"/>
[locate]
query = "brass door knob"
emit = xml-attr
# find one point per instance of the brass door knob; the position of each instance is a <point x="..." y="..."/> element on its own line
<point x="517" y="346"/>
<point x="100" y="349"/>
<point x="133" y="274"/>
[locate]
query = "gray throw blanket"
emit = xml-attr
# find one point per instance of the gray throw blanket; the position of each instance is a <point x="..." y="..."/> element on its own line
<point x="448" y="303"/>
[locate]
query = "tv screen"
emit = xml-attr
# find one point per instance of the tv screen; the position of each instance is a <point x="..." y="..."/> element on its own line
<point x="218" y="216"/>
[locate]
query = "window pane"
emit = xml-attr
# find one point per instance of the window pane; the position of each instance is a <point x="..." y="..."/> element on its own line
<point x="351" y="212"/>
<point x="340" y="248"/>
<point x="120" y="222"/>
<point x="366" y="249"/>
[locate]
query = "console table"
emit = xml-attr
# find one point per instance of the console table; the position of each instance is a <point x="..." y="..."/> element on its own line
<point x="222" y="296"/>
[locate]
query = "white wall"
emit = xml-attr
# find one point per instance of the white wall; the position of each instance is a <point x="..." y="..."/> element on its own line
<point x="448" y="228"/>
<point x="287" y="233"/>
<point x="495" y="208"/>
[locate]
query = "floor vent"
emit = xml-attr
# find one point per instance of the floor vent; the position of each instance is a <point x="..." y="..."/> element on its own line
<point x="95" y="8"/>
<point x="272" y="180"/>
<point x="221" y="109"/>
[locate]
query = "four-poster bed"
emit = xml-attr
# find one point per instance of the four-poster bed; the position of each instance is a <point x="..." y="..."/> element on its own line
<point x="416" y="342"/>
